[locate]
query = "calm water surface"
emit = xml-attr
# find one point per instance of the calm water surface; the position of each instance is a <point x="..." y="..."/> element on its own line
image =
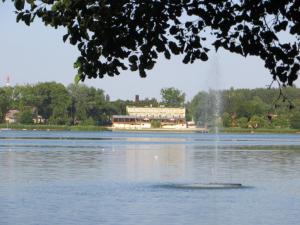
<point x="115" y="178"/>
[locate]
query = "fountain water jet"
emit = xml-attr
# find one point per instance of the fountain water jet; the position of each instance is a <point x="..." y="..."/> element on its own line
<point x="217" y="103"/>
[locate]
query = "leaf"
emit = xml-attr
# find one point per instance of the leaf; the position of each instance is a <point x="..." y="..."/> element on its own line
<point x="65" y="37"/>
<point x="80" y="45"/>
<point x="283" y="77"/>
<point x="77" y="79"/>
<point x="167" y="54"/>
<point x="150" y="65"/>
<point x="285" y="46"/>
<point x="295" y="29"/>
<point x="295" y="68"/>
<point x="26" y="19"/>
<point x="133" y="67"/>
<point x="217" y="44"/>
<point x="188" y="24"/>
<point x="203" y="56"/>
<point x="206" y="49"/>
<point x="154" y="54"/>
<point x="187" y="58"/>
<point x="173" y="47"/>
<point x="143" y="73"/>
<point x="281" y="26"/>
<point x="195" y="30"/>
<point x="133" y="59"/>
<point x="200" y="24"/>
<point x="19" y="16"/>
<point x="240" y="27"/>
<point x="30" y="1"/>
<point x="19" y="4"/>
<point x="268" y="36"/>
<point x="174" y="30"/>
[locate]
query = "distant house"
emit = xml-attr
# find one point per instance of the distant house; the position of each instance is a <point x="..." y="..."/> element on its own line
<point x="191" y="124"/>
<point x="144" y="117"/>
<point x="38" y="119"/>
<point x="12" y="116"/>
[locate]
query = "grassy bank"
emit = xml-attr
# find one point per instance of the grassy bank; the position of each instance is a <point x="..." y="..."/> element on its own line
<point x="100" y="128"/>
<point x="52" y="127"/>
<point x="260" y="130"/>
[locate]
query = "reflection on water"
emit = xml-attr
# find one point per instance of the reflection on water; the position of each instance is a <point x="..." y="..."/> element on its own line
<point x="131" y="178"/>
<point x="167" y="163"/>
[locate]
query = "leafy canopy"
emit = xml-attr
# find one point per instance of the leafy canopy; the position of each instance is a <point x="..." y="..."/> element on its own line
<point x="172" y="97"/>
<point x="114" y="35"/>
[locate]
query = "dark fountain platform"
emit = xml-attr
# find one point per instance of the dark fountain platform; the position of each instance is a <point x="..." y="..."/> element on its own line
<point x="210" y="186"/>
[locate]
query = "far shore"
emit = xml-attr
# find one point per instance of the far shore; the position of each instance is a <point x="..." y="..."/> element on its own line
<point x="103" y="128"/>
<point x="51" y="127"/>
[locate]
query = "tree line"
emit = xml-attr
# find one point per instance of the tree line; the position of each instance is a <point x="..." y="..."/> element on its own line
<point x="80" y="104"/>
<point x="247" y="108"/>
<point x="72" y="105"/>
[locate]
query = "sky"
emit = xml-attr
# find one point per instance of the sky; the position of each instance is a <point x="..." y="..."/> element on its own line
<point x="37" y="54"/>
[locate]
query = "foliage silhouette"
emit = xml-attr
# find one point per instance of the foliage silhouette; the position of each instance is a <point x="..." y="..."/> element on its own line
<point x="116" y="35"/>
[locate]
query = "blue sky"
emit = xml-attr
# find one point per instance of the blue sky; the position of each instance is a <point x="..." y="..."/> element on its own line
<point x="37" y="54"/>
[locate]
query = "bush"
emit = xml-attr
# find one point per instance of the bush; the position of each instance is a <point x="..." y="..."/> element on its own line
<point x="243" y="122"/>
<point x="155" y="124"/>
<point x="257" y="122"/>
<point x="295" y="121"/>
<point x="226" y="119"/>
<point x="282" y="121"/>
<point x="26" y="117"/>
<point x="58" y="120"/>
<point x="88" y="122"/>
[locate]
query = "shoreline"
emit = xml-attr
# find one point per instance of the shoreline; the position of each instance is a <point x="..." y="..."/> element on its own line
<point x="4" y="127"/>
<point x="260" y="130"/>
<point x="161" y="130"/>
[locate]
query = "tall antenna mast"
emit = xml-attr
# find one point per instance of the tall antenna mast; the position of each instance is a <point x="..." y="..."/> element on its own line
<point x="7" y="81"/>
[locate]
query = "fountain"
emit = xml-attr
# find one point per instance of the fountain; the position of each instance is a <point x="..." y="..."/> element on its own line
<point x="216" y="106"/>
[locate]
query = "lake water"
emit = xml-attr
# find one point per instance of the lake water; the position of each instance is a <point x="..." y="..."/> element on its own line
<point x="113" y="178"/>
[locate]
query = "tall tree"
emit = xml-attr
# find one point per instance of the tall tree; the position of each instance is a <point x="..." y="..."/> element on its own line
<point x="87" y="103"/>
<point x="113" y="35"/>
<point x="24" y="96"/>
<point x="172" y="97"/>
<point x="53" y="102"/>
<point x="4" y="103"/>
<point x="79" y="94"/>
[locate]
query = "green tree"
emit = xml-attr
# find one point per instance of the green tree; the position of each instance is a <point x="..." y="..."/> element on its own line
<point x="96" y="104"/>
<point x="155" y="124"/>
<point x="188" y="114"/>
<point x="295" y="121"/>
<point x="4" y="103"/>
<point x="258" y="107"/>
<point x="26" y="117"/>
<point x="53" y="102"/>
<point x="226" y="118"/>
<point x="243" y="122"/>
<point x="281" y="121"/>
<point x="206" y="107"/>
<point x="172" y="97"/>
<point x="109" y="109"/>
<point x="24" y="96"/>
<point x="79" y="108"/>
<point x="114" y="35"/>
<point x="88" y="103"/>
<point x="196" y="108"/>
<point x="257" y="122"/>
<point x="88" y="122"/>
